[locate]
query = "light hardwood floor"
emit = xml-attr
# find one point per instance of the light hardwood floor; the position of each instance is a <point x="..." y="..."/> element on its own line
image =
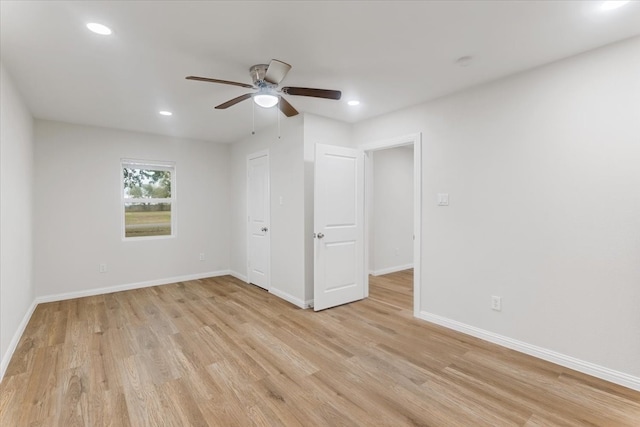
<point x="219" y="352"/>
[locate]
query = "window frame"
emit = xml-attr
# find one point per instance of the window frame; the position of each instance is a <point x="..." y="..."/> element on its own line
<point x="150" y="165"/>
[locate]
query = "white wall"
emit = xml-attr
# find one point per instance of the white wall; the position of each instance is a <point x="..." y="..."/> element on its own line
<point x="17" y="291"/>
<point x="391" y="230"/>
<point x="543" y="171"/>
<point x="287" y="220"/>
<point x="322" y="130"/>
<point x="78" y="210"/>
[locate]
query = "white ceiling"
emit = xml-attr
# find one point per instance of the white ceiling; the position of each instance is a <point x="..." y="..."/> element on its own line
<point x="387" y="54"/>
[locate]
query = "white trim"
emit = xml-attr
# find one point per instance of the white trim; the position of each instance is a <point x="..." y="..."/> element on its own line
<point x="417" y="222"/>
<point x="290" y="298"/>
<point x="239" y="276"/>
<point x="414" y="139"/>
<point x="13" y="344"/>
<point x="141" y="164"/>
<point x="388" y="270"/>
<point x="129" y="286"/>
<point x="369" y="166"/>
<point x="397" y="141"/>
<point x="588" y="368"/>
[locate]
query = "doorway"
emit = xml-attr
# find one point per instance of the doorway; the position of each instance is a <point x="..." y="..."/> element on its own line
<point x="393" y="251"/>
<point x="258" y="220"/>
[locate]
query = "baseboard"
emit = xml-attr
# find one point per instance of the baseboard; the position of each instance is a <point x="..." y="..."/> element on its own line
<point x="277" y="292"/>
<point x="6" y="358"/>
<point x="239" y="276"/>
<point x="127" y="287"/>
<point x="588" y="368"/>
<point x="290" y="298"/>
<point x="390" y="269"/>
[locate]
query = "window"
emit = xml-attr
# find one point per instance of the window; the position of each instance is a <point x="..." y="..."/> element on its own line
<point x="148" y="199"/>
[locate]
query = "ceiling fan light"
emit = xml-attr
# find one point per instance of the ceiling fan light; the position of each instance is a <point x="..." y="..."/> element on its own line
<point x="265" y="100"/>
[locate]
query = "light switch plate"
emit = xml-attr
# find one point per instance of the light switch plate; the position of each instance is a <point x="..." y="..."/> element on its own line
<point x="496" y="303"/>
<point x="443" y="199"/>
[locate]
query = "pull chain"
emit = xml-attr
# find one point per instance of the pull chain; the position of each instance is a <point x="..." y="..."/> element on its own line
<point x="253" y="111"/>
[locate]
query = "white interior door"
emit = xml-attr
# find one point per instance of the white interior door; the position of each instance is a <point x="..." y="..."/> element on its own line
<point x="258" y="200"/>
<point x="338" y="226"/>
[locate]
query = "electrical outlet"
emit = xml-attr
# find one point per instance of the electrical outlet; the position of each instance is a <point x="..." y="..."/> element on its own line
<point x="496" y="303"/>
<point x="202" y="256"/>
<point x="103" y="268"/>
<point x="397" y="251"/>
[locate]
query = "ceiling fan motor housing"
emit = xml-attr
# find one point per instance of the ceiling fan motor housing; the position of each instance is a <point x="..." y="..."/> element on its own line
<point x="258" y="73"/>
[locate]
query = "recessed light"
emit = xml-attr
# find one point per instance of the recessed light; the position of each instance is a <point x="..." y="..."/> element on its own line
<point x="353" y="102"/>
<point x="99" y="28"/>
<point x="613" y="4"/>
<point x="165" y="113"/>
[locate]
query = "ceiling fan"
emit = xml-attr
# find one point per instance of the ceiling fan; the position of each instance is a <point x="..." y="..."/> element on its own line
<point x="266" y="79"/>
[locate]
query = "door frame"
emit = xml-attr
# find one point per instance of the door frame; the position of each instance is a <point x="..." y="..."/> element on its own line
<point x="251" y="156"/>
<point x="416" y="140"/>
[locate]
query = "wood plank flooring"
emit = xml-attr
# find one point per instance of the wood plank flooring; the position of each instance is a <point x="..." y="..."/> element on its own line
<point x="217" y="352"/>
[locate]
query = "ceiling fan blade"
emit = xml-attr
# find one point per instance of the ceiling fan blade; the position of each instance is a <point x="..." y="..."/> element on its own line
<point x="233" y="101"/>
<point x="316" y="93"/>
<point x="224" y="82"/>
<point x="286" y="108"/>
<point x="276" y="71"/>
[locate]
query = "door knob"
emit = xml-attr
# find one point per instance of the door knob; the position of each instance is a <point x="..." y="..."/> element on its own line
<point x="320" y="235"/>
<point x="264" y="229"/>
